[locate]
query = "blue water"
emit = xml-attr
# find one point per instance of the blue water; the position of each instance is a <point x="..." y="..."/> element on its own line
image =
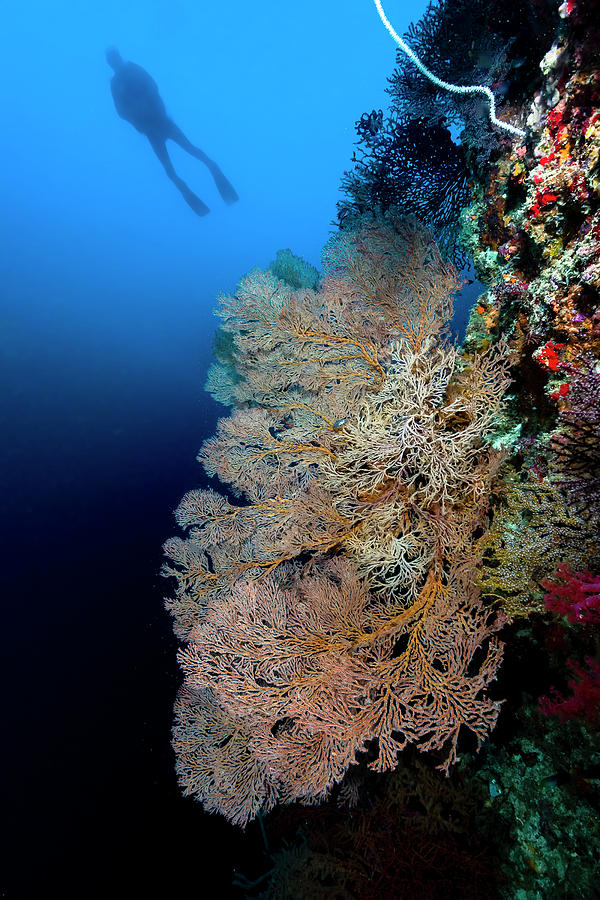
<point x="107" y="285"/>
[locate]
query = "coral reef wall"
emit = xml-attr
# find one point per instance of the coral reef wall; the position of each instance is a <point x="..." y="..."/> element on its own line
<point x="384" y="502"/>
<point x="534" y="233"/>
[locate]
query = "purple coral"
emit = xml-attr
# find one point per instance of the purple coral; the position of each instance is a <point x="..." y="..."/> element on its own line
<point x="576" y="446"/>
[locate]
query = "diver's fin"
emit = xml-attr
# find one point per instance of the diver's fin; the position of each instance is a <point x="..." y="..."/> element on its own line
<point x="224" y="187"/>
<point x="200" y="208"/>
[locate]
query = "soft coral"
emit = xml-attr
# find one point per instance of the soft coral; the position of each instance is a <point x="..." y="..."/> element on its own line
<point x="584" y="700"/>
<point x="575" y="595"/>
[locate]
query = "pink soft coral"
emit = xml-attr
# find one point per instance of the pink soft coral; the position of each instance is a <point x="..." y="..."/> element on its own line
<point x="584" y="701"/>
<point x="575" y="595"/>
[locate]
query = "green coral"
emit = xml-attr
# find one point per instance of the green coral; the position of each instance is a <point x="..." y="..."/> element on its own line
<point x="295" y="271"/>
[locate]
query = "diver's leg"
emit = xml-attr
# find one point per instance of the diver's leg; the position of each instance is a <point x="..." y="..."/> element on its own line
<point x="177" y="135"/>
<point x="190" y="198"/>
<point x="225" y="188"/>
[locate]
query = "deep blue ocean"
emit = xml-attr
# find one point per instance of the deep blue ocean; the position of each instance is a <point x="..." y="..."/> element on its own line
<point x="108" y="282"/>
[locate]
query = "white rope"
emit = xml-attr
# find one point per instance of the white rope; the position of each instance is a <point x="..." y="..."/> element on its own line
<point x="453" y="88"/>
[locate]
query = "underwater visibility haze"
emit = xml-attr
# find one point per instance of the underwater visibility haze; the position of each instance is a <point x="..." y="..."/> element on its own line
<point x="347" y="255"/>
<point x="109" y="281"/>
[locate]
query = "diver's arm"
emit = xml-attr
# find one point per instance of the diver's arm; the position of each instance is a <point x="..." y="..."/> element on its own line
<point x="119" y="96"/>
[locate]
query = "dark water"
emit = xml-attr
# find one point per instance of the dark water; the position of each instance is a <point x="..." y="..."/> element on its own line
<point x="107" y="285"/>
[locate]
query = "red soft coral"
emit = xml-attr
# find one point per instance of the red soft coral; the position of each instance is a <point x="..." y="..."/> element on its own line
<point x="584" y="701"/>
<point x="575" y="595"/>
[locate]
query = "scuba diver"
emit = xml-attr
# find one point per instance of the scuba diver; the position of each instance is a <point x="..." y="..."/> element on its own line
<point x="137" y="100"/>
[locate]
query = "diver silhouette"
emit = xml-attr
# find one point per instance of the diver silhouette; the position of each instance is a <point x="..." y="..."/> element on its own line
<point x="137" y="101"/>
